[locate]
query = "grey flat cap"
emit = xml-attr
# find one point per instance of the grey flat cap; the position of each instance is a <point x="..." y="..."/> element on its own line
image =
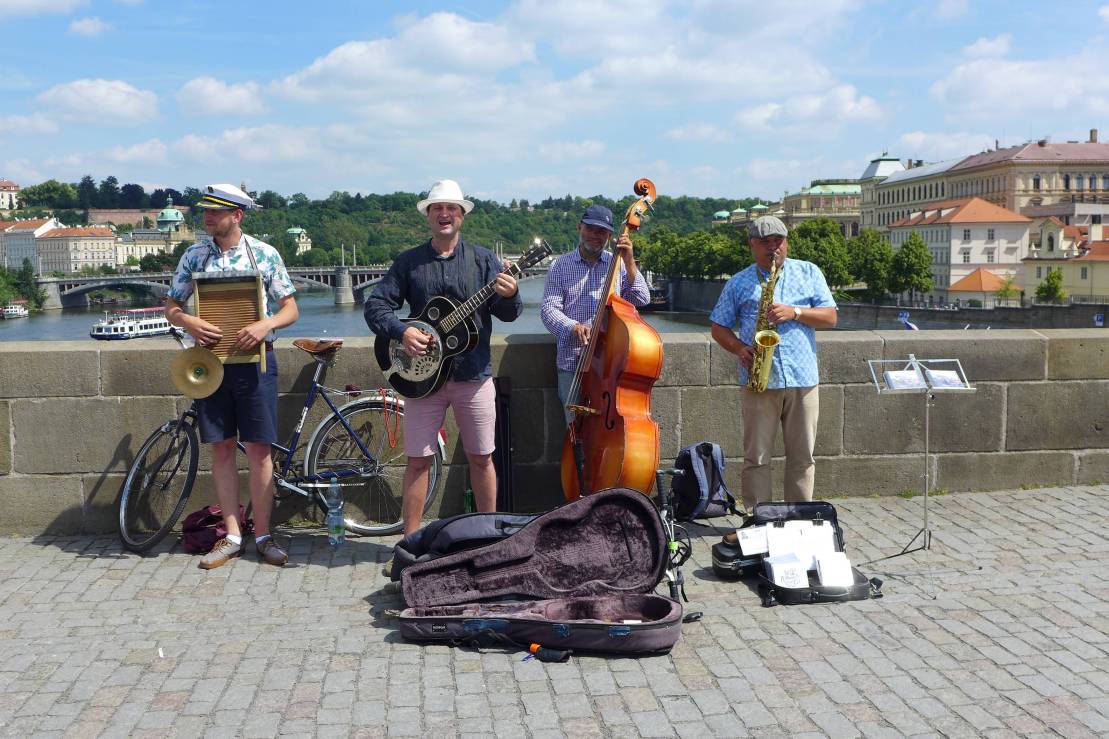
<point x="764" y="226"/>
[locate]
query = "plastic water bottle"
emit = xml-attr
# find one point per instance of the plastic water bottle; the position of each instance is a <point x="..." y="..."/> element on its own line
<point x="468" y="501"/>
<point x="336" y="529"/>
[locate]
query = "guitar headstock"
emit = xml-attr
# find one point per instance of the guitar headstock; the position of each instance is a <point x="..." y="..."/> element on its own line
<point x="539" y="251"/>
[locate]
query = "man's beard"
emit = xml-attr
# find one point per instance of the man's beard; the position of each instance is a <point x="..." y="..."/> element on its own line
<point x="590" y="250"/>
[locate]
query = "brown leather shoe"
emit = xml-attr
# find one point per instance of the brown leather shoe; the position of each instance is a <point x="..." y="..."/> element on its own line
<point x="223" y="552"/>
<point x="271" y="553"/>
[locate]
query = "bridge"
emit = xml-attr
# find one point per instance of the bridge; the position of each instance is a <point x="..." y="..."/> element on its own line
<point x="348" y="283"/>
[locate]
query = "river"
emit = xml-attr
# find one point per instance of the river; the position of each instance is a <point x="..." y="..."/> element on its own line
<point x="319" y="316"/>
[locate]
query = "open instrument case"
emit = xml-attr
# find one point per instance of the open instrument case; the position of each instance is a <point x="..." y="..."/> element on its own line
<point x="579" y="577"/>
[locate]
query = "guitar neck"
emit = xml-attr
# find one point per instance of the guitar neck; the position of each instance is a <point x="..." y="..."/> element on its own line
<point x="475" y="301"/>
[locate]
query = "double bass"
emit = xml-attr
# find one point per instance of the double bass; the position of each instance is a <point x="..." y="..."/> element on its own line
<point x="612" y="441"/>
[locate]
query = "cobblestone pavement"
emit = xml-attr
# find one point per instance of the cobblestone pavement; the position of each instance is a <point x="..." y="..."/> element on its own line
<point x="999" y="630"/>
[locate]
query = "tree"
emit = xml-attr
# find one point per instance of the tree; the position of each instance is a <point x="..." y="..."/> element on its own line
<point x="820" y="241"/>
<point x="271" y="200"/>
<point x="133" y="196"/>
<point x="911" y="269"/>
<point x="871" y="261"/>
<point x="49" y="194"/>
<point x="25" y="284"/>
<point x="107" y="195"/>
<point x="87" y="194"/>
<point x="1007" y="290"/>
<point x="1051" y="289"/>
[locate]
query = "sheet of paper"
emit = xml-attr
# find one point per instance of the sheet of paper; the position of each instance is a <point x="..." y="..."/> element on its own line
<point x="833" y="569"/>
<point x="904" y="380"/>
<point x="784" y="539"/>
<point x="752" y="540"/>
<point x="943" y="378"/>
<point x="787" y="571"/>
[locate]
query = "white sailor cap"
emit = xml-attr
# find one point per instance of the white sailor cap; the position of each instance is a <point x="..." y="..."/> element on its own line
<point x="227" y="197"/>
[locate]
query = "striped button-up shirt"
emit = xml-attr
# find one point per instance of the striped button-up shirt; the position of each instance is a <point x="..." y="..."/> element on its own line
<point x="571" y="295"/>
<point x="801" y="284"/>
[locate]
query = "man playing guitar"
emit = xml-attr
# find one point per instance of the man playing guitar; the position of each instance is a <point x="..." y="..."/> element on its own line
<point x="446" y="265"/>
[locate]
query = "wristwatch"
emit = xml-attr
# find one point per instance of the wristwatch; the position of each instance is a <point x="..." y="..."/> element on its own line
<point x="796" y="313"/>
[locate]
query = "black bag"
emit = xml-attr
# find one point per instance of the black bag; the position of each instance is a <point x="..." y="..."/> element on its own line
<point x="700" y="491"/>
<point x="580" y="578"/>
<point x="729" y="562"/>
<point x="454" y="534"/>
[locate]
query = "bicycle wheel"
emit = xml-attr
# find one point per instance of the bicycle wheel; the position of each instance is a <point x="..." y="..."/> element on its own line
<point x="157" y="486"/>
<point x="371" y="499"/>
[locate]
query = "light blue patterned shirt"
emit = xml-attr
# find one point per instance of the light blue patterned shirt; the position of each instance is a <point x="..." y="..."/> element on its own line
<point x="206" y="256"/>
<point x="800" y="283"/>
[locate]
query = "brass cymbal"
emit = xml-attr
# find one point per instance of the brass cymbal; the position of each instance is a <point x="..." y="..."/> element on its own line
<point x="196" y="372"/>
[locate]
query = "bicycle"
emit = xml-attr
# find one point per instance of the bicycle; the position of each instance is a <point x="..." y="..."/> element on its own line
<point x="358" y="443"/>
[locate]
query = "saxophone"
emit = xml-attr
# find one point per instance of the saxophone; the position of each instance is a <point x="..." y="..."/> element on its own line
<point x="766" y="338"/>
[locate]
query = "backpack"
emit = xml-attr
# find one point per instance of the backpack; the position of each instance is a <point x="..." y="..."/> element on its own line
<point x="202" y="529"/>
<point x="700" y="491"/>
<point x="454" y="534"/>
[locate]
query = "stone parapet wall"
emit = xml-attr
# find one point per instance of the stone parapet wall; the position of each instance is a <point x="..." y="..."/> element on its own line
<point x="73" y="414"/>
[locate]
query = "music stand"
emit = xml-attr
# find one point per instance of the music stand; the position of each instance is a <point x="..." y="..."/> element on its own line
<point x="925" y="377"/>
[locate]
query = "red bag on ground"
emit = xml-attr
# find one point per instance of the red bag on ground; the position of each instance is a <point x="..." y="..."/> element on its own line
<point x="202" y="529"/>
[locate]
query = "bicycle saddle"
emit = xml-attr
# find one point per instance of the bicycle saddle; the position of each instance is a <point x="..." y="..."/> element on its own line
<point x="313" y="346"/>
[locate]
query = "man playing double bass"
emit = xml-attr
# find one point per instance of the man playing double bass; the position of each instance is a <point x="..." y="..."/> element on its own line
<point x="574" y="285"/>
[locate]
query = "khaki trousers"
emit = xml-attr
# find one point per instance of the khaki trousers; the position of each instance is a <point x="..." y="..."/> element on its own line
<point x="797" y="410"/>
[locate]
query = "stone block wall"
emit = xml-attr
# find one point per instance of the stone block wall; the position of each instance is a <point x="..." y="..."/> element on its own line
<point x="73" y="415"/>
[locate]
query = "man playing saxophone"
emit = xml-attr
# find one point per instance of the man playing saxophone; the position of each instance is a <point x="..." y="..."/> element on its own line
<point x="788" y="297"/>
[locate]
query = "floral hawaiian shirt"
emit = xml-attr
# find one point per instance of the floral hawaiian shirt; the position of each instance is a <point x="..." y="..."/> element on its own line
<point x="205" y="256"/>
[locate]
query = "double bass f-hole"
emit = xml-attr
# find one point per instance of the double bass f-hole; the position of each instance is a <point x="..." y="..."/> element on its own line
<point x="610" y="422"/>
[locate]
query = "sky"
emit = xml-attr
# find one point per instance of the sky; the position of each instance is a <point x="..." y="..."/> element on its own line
<point x="535" y="98"/>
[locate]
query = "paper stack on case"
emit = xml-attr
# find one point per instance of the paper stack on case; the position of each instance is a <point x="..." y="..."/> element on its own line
<point x="833" y="569"/>
<point x="787" y="571"/>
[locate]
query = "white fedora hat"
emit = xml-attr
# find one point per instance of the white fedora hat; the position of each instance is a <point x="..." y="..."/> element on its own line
<point x="445" y="191"/>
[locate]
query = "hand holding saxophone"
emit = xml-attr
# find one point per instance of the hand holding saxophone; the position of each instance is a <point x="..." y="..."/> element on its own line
<point x="779" y="313"/>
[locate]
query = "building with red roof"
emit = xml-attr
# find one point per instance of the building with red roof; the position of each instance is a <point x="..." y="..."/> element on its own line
<point x="71" y="249"/>
<point x="964" y="236"/>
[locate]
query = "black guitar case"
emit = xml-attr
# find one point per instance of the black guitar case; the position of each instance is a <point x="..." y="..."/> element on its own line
<point x="579" y="577"/>
<point x="729" y="561"/>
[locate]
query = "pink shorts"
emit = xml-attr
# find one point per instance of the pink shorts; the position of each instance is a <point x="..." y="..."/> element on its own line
<point x="475" y="412"/>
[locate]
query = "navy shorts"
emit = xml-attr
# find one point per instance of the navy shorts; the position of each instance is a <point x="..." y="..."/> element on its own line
<point x="245" y="405"/>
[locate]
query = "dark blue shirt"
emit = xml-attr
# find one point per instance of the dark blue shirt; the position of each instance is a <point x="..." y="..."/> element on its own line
<point x="420" y="274"/>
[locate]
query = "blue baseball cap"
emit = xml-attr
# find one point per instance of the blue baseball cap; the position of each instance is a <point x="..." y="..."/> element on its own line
<point x="597" y="215"/>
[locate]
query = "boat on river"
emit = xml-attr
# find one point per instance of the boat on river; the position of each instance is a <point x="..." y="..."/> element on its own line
<point x="15" y="310"/>
<point x="132" y="323"/>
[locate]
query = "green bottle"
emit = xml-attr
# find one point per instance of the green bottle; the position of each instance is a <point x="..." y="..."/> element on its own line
<point x="468" y="501"/>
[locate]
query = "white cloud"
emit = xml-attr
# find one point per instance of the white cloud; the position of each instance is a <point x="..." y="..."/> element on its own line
<point x="951" y="9"/>
<point x="936" y="147"/>
<point x="36" y="123"/>
<point x="563" y="150"/>
<point x="1103" y="11"/>
<point x="10" y="8"/>
<point x="1000" y="89"/>
<point x="442" y="53"/>
<point x="698" y="132"/>
<point x="147" y="152"/>
<point x="209" y="96"/>
<point x="987" y="47"/>
<point x="99" y="101"/>
<point x="840" y="104"/>
<point x="23" y="171"/>
<point x="268" y="143"/>
<point x="777" y="169"/>
<point x="89" y="27"/>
